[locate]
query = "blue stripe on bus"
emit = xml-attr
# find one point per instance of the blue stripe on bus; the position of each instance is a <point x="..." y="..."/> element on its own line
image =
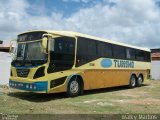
<point x="35" y="86"/>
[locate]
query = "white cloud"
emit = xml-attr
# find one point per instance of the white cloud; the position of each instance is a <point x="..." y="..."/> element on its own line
<point x="134" y="22"/>
<point x="130" y="21"/>
<point x="84" y="1"/>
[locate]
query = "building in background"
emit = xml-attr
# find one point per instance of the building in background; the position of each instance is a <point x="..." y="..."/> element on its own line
<point x="155" y="64"/>
<point x="4" y="47"/>
<point x="1" y="42"/>
<point x="5" y="63"/>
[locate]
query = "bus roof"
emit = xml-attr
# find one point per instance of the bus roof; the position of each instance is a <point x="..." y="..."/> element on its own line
<point x="76" y="34"/>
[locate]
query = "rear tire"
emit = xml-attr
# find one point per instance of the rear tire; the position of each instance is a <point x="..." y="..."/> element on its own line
<point x="74" y="87"/>
<point x="132" y="82"/>
<point x="139" y="81"/>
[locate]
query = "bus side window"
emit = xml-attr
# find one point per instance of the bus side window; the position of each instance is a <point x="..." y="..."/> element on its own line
<point x="147" y="56"/>
<point x="139" y="55"/>
<point x="104" y="50"/>
<point x="81" y="52"/>
<point x="130" y="53"/>
<point x="62" y="55"/>
<point x="119" y="52"/>
<point x="101" y="49"/>
<point x="108" y="50"/>
<point x="62" y="49"/>
<point x="86" y="51"/>
<point x="92" y="51"/>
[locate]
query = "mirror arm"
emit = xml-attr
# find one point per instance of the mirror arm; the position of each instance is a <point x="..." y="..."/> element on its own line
<point x="45" y="39"/>
<point x="50" y="35"/>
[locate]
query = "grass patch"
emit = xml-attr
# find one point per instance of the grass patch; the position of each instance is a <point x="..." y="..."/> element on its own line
<point x="119" y="100"/>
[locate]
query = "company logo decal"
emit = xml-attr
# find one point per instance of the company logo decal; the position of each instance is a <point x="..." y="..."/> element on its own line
<point x="123" y="64"/>
<point x="106" y="63"/>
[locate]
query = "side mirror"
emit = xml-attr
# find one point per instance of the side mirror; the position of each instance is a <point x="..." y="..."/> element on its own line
<point x="10" y="48"/>
<point x="11" y="45"/>
<point x="44" y="44"/>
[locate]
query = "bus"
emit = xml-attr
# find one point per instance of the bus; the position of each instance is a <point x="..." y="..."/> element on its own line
<point x="63" y="61"/>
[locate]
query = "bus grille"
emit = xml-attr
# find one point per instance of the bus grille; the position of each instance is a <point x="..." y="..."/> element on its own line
<point x="22" y="72"/>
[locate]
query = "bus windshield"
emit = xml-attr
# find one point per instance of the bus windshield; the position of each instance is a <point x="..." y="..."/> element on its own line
<point x="30" y="51"/>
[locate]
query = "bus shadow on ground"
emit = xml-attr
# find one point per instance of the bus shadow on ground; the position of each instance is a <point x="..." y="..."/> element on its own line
<point x="37" y="97"/>
<point x="43" y="97"/>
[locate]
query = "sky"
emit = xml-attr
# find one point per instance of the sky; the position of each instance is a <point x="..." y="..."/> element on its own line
<point x="135" y="22"/>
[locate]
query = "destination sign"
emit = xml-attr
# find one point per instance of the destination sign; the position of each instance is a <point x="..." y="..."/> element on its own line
<point x="30" y="36"/>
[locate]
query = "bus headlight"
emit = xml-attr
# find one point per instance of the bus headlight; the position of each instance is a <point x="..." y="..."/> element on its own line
<point x="27" y="86"/>
<point x="31" y="87"/>
<point x="34" y="87"/>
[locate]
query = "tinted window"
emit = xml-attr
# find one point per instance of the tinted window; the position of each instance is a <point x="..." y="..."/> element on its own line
<point x="62" y="51"/>
<point x="86" y="51"/>
<point x="30" y="36"/>
<point x="62" y="48"/>
<point x="92" y="50"/>
<point x="139" y="55"/>
<point x="82" y="47"/>
<point x="119" y="52"/>
<point x="86" y="47"/>
<point x="101" y="49"/>
<point x="108" y="50"/>
<point x="147" y="56"/>
<point x="104" y="49"/>
<point x="130" y="53"/>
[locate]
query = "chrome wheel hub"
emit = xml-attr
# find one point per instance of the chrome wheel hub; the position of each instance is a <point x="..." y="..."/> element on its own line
<point x="74" y="87"/>
<point x="133" y="81"/>
<point x="140" y="80"/>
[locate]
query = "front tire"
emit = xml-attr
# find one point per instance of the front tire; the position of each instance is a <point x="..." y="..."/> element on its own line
<point x="132" y="82"/>
<point x="73" y="88"/>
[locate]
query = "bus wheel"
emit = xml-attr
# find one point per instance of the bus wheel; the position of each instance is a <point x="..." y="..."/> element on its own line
<point x="73" y="89"/>
<point x="132" y="82"/>
<point x="139" y="81"/>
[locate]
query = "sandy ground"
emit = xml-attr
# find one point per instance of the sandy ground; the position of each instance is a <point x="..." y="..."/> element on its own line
<point x="5" y="63"/>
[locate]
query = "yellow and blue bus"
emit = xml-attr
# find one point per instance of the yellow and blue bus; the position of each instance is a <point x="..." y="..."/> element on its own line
<point x="64" y="61"/>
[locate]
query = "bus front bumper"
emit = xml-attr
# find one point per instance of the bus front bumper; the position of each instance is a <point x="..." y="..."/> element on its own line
<point x="41" y="86"/>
